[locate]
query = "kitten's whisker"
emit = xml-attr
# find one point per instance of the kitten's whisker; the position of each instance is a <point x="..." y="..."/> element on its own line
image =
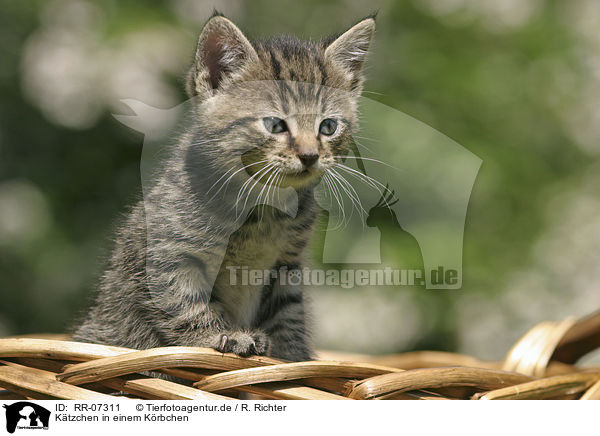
<point x="336" y="184"/>
<point x="365" y="158"/>
<point x="338" y="197"/>
<point x="256" y="182"/>
<point x="219" y="179"/>
<point x="330" y="194"/>
<point x="266" y="186"/>
<point x="209" y="141"/>
<point x="373" y="92"/>
<point x="366" y="137"/>
<point x="246" y="183"/>
<point x="343" y="184"/>
<point x="361" y="144"/>
<point x="364" y="178"/>
<point x="351" y="193"/>
<point x="277" y="187"/>
<point x="361" y="176"/>
<point x="256" y="176"/>
<point x="265" y="189"/>
<point x="272" y="192"/>
<point x="281" y="177"/>
<point x="343" y="180"/>
<point x="231" y="177"/>
<point x="243" y="188"/>
<point x="327" y="180"/>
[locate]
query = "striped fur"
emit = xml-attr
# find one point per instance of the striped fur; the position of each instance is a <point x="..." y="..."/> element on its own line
<point x="155" y="290"/>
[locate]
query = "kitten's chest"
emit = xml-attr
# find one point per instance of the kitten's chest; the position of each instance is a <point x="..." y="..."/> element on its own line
<point x="259" y="244"/>
<point x="251" y="251"/>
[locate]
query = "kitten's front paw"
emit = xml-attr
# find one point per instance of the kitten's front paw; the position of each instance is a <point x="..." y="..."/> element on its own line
<point x="244" y="343"/>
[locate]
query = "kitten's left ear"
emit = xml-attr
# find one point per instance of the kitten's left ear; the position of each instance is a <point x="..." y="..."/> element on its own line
<point x="350" y="49"/>
<point x="222" y="50"/>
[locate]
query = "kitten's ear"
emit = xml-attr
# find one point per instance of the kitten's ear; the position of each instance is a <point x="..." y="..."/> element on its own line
<point x="222" y="50"/>
<point x="350" y="49"/>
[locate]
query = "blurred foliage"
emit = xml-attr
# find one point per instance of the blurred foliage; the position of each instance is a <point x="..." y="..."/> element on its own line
<point x="506" y="87"/>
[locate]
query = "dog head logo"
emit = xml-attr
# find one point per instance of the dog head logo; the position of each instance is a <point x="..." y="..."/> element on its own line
<point x="26" y="415"/>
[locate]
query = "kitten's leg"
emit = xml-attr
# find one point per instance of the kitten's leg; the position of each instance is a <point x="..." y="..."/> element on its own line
<point x="285" y="323"/>
<point x="190" y="317"/>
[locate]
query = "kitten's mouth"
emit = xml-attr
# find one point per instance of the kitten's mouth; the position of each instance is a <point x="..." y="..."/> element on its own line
<point x="302" y="177"/>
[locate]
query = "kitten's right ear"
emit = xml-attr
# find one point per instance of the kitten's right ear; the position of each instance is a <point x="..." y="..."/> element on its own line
<point x="222" y="50"/>
<point x="349" y="50"/>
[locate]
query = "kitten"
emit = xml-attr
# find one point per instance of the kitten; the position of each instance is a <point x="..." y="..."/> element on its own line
<point x="168" y="281"/>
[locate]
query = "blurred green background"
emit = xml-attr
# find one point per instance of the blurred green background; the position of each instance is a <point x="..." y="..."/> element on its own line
<point x="516" y="82"/>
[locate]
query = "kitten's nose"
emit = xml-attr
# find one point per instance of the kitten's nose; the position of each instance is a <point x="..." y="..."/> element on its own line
<point x="308" y="160"/>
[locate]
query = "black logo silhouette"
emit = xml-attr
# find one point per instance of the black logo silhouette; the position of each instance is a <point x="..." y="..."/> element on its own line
<point x="26" y="415"/>
<point x="398" y="247"/>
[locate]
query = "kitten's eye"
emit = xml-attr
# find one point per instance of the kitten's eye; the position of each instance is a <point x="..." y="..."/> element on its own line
<point x="275" y="125"/>
<point x="328" y="127"/>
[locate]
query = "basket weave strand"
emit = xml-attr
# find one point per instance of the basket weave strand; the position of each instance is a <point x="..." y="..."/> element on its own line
<point x="541" y="365"/>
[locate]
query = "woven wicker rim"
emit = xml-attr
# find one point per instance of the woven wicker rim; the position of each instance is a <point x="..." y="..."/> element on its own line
<point x="541" y="365"/>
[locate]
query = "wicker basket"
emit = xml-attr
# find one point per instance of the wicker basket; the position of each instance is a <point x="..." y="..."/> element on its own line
<point x="541" y="365"/>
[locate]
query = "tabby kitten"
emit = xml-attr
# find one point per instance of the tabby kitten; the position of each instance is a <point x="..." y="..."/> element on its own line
<point x="279" y="109"/>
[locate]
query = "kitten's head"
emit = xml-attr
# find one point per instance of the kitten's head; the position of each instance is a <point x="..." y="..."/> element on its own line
<point x="292" y="103"/>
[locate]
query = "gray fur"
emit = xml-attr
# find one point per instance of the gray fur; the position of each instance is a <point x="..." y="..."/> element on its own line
<point x="155" y="291"/>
